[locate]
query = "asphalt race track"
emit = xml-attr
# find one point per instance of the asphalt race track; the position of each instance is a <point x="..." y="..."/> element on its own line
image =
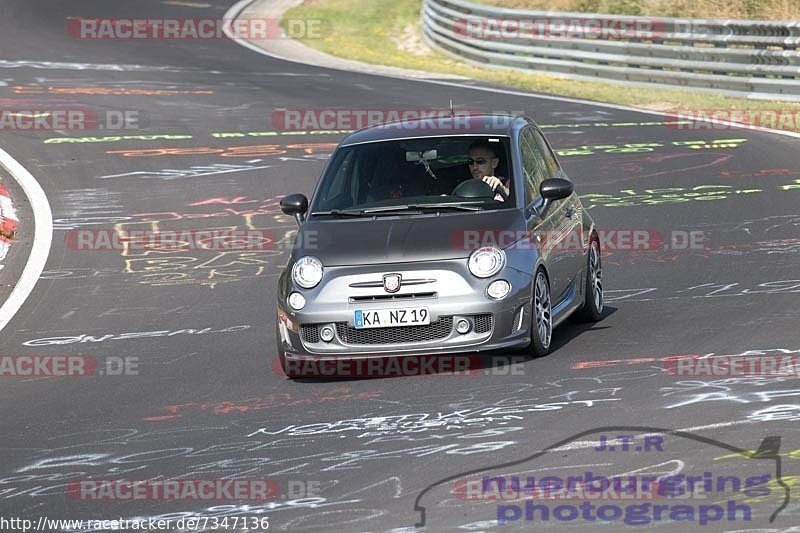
<point x="201" y="398"/>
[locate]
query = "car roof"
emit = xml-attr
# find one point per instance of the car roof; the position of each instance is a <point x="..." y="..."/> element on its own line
<point x="463" y="124"/>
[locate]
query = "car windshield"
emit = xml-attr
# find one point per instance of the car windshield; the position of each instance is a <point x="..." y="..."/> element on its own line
<point x="409" y="175"/>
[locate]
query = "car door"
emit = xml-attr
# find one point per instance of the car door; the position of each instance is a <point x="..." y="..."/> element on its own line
<point x="545" y="231"/>
<point x="569" y="221"/>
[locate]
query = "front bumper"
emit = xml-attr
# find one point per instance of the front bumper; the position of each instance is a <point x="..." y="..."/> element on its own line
<point x="445" y="288"/>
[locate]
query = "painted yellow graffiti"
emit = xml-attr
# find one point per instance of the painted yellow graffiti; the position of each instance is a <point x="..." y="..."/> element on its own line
<point x="753" y="454"/>
<point x="157" y="267"/>
<point x="795" y="185"/>
<point x="237" y="134"/>
<point x="648" y="147"/>
<point x="577" y="125"/>
<point x="261" y="150"/>
<point x="632" y="197"/>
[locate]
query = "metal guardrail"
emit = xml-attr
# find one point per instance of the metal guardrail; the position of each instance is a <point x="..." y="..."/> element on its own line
<point x="756" y="59"/>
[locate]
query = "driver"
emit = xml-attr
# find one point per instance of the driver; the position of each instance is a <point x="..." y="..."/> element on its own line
<point x="482" y="162"/>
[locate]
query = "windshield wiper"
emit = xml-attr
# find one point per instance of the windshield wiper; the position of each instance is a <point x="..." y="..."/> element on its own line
<point x="406" y="207"/>
<point x="389" y="209"/>
<point x="342" y="212"/>
<point x="462" y="207"/>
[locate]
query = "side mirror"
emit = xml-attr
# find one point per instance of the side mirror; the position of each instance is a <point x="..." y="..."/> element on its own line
<point x="551" y="190"/>
<point x="295" y="205"/>
<point x="555" y="189"/>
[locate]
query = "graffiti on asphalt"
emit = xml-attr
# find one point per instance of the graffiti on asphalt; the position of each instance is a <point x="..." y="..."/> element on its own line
<point x="83" y="337"/>
<point x="174" y="267"/>
<point x="196" y="171"/>
<point x="632" y="148"/>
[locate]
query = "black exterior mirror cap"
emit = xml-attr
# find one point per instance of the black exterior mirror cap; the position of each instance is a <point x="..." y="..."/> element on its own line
<point x="294" y="204"/>
<point x="555" y="188"/>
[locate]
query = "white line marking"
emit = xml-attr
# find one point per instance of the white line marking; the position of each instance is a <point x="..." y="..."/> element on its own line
<point x="42" y="237"/>
<point x="6" y="63"/>
<point x="240" y="6"/>
<point x="173" y="174"/>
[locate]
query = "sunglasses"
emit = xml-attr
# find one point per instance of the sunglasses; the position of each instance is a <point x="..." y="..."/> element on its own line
<point x="479" y="161"/>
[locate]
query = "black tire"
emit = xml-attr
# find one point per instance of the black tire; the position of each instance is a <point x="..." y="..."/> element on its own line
<point x="541" y="316"/>
<point x="592" y="310"/>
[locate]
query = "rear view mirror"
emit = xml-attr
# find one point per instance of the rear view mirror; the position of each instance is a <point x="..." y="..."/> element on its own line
<point x="427" y="155"/>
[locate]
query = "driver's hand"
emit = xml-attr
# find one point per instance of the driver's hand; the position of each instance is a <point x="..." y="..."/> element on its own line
<point x="493" y="182"/>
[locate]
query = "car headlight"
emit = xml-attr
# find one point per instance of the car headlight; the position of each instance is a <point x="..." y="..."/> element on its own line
<point x="307" y="272"/>
<point x="487" y="261"/>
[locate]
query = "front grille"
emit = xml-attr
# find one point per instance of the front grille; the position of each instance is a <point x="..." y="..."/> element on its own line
<point x="398" y="334"/>
<point x="412" y="296"/>
<point x="395" y="335"/>
<point x="310" y="334"/>
<point x="483" y="323"/>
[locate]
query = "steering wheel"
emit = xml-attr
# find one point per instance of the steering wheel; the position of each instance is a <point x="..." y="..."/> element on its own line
<point x="473" y="188"/>
<point x="502" y="192"/>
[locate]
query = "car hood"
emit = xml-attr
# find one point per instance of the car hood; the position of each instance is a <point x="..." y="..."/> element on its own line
<point x="405" y="238"/>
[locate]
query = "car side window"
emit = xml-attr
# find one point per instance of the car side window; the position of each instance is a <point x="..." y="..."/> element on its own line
<point x="337" y="190"/>
<point x="534" y="167"/>
<point x="549" y="159"/>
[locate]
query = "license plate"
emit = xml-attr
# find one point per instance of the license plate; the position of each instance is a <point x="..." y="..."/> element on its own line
<point x="386" y="318"/>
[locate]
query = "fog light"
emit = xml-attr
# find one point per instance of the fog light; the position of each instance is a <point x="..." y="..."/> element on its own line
<point x="326" y="333"/>
<point x="499" y="289"/>
<point x="297" y="301"/>
<point x="462" y="326"/>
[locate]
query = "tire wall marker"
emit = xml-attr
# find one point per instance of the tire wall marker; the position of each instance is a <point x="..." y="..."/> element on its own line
<point x="8" y="223"/>
<point x="42" y="236"/>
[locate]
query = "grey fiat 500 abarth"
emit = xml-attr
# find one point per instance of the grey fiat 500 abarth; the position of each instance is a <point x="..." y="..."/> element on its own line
<point x="427" y="240"/>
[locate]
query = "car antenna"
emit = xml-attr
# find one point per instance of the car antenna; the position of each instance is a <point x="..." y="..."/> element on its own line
<point x="452" y="110"/>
